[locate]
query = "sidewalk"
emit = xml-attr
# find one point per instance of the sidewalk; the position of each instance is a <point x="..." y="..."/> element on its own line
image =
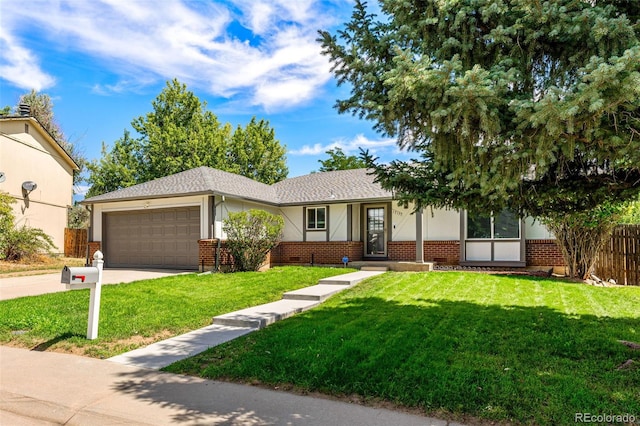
<point x="44" y="388"/>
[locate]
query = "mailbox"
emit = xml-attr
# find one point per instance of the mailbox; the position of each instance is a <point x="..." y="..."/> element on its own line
<point x="80" y="275"/>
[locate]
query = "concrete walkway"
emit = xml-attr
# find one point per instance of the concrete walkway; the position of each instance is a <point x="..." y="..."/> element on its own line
<point x="235" y="324"/>
<point x="32" y="285"/>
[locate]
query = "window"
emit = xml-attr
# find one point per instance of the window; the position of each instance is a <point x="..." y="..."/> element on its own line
<point x="502" y="225"/>
<point x="316" y="218"/>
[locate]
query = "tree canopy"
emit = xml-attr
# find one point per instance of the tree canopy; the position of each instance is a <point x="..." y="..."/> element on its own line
<point x="501" y="98"/>
<point x="508" y="103"/>
<point x="338" y="160"/>
<point x="180" y="134"/>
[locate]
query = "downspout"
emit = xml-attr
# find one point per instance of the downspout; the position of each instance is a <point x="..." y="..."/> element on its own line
<point x="89" y="208"/>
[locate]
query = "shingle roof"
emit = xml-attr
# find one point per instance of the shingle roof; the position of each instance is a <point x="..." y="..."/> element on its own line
<point x="341" y="185"/>
<point x="201" y="180"/>
<point x="325" y="187"/>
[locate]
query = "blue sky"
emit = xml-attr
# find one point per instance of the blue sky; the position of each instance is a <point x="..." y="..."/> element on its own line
<point x="104" y="61"/>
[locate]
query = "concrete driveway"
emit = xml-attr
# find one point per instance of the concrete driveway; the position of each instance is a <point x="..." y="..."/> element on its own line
<point x="12" y="288"/>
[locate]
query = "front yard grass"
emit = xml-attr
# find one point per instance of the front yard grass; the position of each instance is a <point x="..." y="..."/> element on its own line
<point x="143" y="312"/>
<point x="465" y="346"/>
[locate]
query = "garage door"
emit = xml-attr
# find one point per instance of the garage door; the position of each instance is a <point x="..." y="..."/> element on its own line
<point x="155" y="238"/>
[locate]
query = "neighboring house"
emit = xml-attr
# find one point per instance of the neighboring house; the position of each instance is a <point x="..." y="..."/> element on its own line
<point x="175" y="221"/>
<point x="38" y="173"/>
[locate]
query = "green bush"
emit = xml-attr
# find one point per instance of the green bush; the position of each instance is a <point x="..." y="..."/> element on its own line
<point x="250" y="237"/>
<point x="25" y="243"/>
<point x="631" y="214"/>
<point x="17" y="243"/>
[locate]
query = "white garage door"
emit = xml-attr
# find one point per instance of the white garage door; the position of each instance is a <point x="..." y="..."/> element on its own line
<point x="154" y="238"/>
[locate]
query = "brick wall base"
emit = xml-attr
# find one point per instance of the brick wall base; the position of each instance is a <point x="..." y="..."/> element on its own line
<point x="94" y="246"/>
<point x="442" y="252"/>
<point x="207" y="256"/>
<point x="543" y="253"/>
<point x="539" y="253"/>
<point x="327" y="253"/>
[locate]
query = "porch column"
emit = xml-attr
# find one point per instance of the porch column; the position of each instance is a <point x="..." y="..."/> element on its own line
<point x="419" y="238"/>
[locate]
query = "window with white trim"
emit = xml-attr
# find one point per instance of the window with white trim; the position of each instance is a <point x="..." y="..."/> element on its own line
<point x="505" y="224"/>
<point x="316" y="218"/>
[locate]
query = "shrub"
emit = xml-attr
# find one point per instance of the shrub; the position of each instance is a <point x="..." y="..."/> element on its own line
<point x="25" y="243"/>
<point x="250" y="237"/>
<point x="19" y="243"/>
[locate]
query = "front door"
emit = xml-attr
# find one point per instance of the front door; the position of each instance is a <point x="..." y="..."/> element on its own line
<point x="375" y="232"/>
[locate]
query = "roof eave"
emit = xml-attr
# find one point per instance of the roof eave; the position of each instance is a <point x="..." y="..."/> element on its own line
<point x="146" y="197"/>
<point x="342" y="201"/>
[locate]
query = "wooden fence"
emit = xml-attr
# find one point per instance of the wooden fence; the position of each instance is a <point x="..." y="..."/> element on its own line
<point x="75" y="242"/>
<point x="620" y="259"/>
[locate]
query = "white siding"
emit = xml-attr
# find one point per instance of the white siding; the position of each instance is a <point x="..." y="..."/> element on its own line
<point x="441" y="225"/>
<point x="403" y="223"/>
<point x="338" y="222"/>
<point x="235" y="206"/>
<point x="292" y="223"/>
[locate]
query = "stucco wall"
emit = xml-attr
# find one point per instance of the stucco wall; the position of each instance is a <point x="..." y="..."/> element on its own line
<point x="31" y="157"/>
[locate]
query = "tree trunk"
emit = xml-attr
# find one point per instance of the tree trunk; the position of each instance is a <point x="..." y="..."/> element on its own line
<point x="579" y="242"/>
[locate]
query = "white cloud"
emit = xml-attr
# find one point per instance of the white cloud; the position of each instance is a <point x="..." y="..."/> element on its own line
<point x="280" y="65"/>
<point x="349" y="146"/>
<point x="19" y="66"/>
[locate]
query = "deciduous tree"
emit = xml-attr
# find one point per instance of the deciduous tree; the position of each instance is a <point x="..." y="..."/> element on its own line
<point x="181" y="134"/>
<point x="255" y="152"/>
<point x="338" y="160"/>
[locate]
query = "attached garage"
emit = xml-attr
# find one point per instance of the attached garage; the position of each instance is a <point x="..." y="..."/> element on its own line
<point x="152" y="238"/>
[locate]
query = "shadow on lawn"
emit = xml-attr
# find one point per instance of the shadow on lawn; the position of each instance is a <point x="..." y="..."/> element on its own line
<point x="46" y="345"/>
<point x="528" y="364"/>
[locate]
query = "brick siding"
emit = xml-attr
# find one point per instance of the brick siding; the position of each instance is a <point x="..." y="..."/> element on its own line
<point x="443" y="252"/>
<point x="543" y="253"/>
<point x="207" y="256"/>
<point x="94" y="246"/>
<point x="328" y="253"/>
<point x="539" y="253"/>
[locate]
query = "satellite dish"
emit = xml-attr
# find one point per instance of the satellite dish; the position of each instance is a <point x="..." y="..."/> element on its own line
<point x="2" y="177"/>
<point x="29" y="185"/>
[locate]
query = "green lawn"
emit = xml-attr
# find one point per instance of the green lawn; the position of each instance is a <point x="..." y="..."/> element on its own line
<point x="139" y="313"/>
<point x="461" y="345"/>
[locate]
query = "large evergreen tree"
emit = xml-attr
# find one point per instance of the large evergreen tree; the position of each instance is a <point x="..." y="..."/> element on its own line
<point x="181" y="134"/>
<point x="510" y="103"/>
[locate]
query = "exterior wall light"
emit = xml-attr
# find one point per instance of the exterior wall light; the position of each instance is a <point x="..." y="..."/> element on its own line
<point x="29" y="186"/>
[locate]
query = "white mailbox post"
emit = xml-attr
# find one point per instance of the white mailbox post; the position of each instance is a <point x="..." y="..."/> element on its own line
<point x="91" y="278"/>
